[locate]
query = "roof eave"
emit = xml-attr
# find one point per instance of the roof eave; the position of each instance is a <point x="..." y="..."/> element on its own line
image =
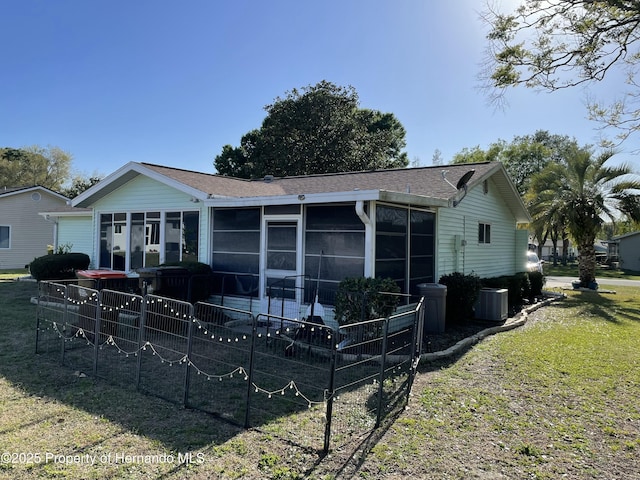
<point x="125" y="174"/>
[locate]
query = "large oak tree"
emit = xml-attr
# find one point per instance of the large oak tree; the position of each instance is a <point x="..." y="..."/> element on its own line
<point x="319" y="129"/>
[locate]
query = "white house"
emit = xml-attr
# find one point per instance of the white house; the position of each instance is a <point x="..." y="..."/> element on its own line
<point x="25" y="235"/>
<point x="412" y="225"/>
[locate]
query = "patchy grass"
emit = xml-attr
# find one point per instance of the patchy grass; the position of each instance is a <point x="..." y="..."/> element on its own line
<point x="556" y="398"/>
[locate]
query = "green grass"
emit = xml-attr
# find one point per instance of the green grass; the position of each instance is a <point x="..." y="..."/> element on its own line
<point x="571" y="270"/>
<point x="556" y="398"/>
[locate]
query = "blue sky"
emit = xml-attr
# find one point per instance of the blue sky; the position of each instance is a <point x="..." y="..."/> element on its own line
<point x="171" y="82"/>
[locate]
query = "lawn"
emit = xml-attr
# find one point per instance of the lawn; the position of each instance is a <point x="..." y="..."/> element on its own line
<point x="571" y="270"/>
<point x="556" y="398"/>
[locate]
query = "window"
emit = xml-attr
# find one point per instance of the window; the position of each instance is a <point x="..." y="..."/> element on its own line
<point x="405" y="246"/>
<point x="236" y="250"/>
<point x="484" y="233"/>
<point x="334" y="246"/>
<point x="5" y="236"/>
<point x="147" y="239"/>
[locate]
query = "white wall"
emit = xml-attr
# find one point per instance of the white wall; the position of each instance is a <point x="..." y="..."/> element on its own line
<point x="76" y="231"/>
<point x="505" y="255"/>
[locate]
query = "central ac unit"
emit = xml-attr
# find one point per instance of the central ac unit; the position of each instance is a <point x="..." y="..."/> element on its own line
<point x="493" y="304"/>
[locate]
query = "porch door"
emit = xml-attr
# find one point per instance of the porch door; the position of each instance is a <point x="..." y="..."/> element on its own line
<point x="283" y="260"/>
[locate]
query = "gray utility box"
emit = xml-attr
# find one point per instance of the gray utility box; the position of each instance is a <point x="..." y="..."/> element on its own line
<point x="435" y="306"/>
<point x="493" y="304"/>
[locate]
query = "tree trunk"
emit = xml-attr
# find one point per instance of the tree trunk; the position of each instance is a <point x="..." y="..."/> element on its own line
<point x="587" y="264"/>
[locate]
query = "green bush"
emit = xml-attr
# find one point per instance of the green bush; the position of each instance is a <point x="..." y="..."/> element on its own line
<point x="537" y="282"/>
<point x="58" y="266"/>
<point x="522" y="286"/>
<point x="462" y="293"/>
<point x="359" y="299"/>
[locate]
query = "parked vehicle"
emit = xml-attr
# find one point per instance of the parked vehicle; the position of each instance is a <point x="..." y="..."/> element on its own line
<point x="534" y="264"/>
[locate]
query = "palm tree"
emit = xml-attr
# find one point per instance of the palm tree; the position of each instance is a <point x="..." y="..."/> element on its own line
<point x="581" y="192"/>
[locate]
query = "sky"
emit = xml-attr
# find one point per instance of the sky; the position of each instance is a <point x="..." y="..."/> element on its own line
<point x="172" y="82"/>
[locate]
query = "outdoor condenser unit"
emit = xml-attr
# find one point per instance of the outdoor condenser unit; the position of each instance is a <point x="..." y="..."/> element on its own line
<point x="493" y="304"/>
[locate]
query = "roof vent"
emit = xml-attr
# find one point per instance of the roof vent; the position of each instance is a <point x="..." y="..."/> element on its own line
<point x="268" y="178"/>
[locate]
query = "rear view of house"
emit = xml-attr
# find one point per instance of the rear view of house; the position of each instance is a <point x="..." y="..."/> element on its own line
<point x="300" y="233"/>
<point x="24" y="234"/>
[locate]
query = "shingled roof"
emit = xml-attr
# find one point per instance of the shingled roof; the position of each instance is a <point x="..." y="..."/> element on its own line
<point x="425" y="181"/>
<point x="425" y="186"/>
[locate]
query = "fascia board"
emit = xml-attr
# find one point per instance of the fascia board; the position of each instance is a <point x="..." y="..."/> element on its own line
<point x="81" y="213"/>
<point x="312" y="198"/>
<point x="410" y="199"/>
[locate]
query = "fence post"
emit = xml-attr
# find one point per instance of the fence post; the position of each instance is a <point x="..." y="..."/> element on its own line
<point x="187" y="379"/>
<point x="96" y="333"/>
<point x="254" y="334"/>
<point x="65" y="319"/>
<point x="416" y="346"/>
<point x="330" y="394"/>
<point x="383" y="366"/>
<point x="141" y="340"/>
<point x="38" y="317"/>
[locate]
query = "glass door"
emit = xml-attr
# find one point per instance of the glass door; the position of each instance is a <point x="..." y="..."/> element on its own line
<point x="282" y="262"/>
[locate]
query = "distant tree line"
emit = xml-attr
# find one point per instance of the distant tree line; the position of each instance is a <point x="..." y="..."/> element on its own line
<point x="48" y="167"/>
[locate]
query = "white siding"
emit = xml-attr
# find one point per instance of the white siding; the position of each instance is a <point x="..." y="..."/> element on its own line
<point x="76" y="231"/>
<point x="30" y="232"/>
<point x="458" y="248"/>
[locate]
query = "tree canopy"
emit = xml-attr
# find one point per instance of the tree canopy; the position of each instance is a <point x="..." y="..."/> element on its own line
<point x="25" y="167"/>
<point x="318" y="129"/>
<point x="556" y="44"/>
<point x="523" y="157"/>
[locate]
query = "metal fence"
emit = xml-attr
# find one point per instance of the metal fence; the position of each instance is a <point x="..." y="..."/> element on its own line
<point x="248" y="369"/>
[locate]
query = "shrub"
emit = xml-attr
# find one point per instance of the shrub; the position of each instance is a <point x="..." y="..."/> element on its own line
<point x="537" y="282"/>
<point x="359" y="299"/>
<point x="462" y="293"/>
<point x="58" y="266"/>
<point x="521" y="286"/>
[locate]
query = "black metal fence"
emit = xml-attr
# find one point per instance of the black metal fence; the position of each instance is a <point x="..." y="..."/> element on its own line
<point x="248" y="369"/>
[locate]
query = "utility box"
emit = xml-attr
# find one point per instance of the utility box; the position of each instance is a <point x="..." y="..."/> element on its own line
<point x="493" y="304"/>
<point x="435" y="306"/>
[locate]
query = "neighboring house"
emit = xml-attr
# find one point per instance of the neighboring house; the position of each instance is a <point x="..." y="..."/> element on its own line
<point x="412" y="225"/>
<point x="25" y="235"/>
<point x="547" y="250"/>
<point x="625" y="249"/>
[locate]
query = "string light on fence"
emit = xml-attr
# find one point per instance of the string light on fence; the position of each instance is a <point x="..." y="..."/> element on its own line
<point x="289" y="386"/>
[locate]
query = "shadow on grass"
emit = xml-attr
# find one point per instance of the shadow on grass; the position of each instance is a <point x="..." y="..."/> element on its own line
<point x="607" y="306"/>
<point x="38" y="377"/>
<point x="41" y="379"/>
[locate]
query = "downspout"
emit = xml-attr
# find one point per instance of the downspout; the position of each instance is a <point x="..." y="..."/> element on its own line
<point x="368" y="238"/>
